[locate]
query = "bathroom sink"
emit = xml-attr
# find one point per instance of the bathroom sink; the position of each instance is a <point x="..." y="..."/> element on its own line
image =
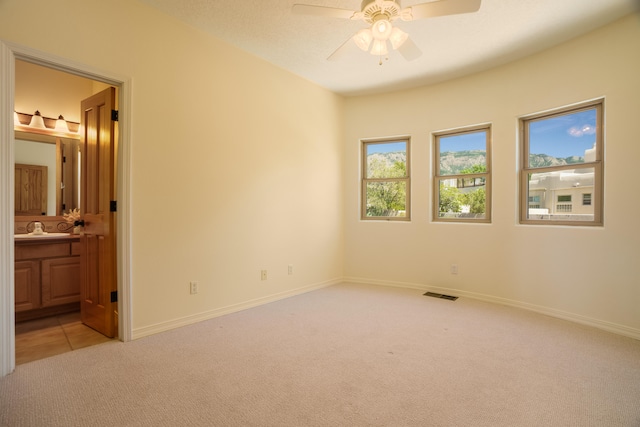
<point x="39" y="236"/>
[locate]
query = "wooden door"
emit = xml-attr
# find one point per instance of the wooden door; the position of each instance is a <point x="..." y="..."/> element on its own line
<point x="98" y="279"/>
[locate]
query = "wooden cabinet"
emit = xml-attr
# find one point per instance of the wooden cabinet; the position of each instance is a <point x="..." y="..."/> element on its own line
<point x="47" y="277"/>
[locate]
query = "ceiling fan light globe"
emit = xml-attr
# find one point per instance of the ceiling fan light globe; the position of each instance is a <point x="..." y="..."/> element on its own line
<point x="397" y="38"/>
<point x="381" y="29"/>
<point x="363" y="39"/>
<point x="379" y="48"/>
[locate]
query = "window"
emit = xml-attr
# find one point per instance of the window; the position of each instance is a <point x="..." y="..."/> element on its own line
<point x="462" y="183"/>
<point x="386" y="180"/>
<point x="561" y="163"/>
<point x="564" y="203"/>
<point x="534" y="202"/>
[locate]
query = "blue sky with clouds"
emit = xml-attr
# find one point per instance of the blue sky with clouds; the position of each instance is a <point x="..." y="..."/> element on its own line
<point x="563" y="136"/>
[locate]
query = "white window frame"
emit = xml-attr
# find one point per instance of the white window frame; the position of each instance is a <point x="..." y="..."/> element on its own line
<point x="597" y="194"/>
<point x="366" y="180"/>
<point x="438" y="176"/>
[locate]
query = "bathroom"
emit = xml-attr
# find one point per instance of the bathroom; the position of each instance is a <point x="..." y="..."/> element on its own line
<point x="47" y="244"/>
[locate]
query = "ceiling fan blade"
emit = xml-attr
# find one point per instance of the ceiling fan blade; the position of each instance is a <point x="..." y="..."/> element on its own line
<point x="346" y="49"/>
<point x="331" y="12"/>
<point x="409" y="50"/>
<point x="440" y="8"/>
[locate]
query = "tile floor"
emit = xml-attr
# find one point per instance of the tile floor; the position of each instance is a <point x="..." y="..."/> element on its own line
<point x="41" y="338"/>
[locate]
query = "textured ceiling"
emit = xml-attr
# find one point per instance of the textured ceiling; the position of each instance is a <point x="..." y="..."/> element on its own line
<point x="452" y="46"/>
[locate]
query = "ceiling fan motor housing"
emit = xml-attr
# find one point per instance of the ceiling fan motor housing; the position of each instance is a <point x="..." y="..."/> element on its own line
<point x="375" y="10"/>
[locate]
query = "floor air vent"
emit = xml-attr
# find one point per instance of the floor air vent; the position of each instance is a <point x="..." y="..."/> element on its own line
<point x="441" y="296"/>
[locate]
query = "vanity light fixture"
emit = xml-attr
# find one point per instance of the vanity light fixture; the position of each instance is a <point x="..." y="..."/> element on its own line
<point x="37" y="121"/>
<point x="23" y="122"/>
<point x="61" y="124"/>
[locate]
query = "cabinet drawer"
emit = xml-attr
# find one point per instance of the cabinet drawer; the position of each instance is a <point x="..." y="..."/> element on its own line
<point x="75" y="248"/>
<point x="27" y="251"/>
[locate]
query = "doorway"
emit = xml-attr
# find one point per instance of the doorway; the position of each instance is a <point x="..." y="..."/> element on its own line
<point x="9" y="53"/>
<point x="51" y="315"/>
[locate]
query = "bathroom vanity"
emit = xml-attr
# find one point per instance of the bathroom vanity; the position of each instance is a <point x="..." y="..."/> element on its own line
<point x="47" y="275"/>
<point x="47" y="264"/>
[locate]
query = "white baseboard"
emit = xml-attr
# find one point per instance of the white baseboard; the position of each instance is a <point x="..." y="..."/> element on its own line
<point x="195" y="318"/>
<point x="573" y="317"/>
<point x="199" y="317"/>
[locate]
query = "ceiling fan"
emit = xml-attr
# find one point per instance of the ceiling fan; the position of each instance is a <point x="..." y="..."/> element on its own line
<point x="380" y="14"/>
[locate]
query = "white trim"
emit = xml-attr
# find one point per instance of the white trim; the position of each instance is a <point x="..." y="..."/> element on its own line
<point x="615" y="328"/>
<point x="8" y="53"/>
<point x="123" y="194"/>
<point x="7" y="318"/>
<point x="206" y="315"/>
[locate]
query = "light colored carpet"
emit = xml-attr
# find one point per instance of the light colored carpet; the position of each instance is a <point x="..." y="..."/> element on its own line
<point x="347" y="355"/>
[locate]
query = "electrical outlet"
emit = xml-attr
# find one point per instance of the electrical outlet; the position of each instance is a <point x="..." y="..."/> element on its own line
<point x="263" y="275"/>
<point x="193" y="288"/>
<point x="290" y="269"/>
<point x="454" y="269"/>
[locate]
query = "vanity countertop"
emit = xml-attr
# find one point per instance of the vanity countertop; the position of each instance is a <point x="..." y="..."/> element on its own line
<point x="42" y="238"/>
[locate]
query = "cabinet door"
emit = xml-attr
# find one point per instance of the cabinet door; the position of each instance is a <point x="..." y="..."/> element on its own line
<point x="30" y="190"/>
<point x="27" y="285"/>
<point x="60" y="281"/>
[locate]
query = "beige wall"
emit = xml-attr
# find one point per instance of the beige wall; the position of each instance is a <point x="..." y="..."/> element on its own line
<point x="587" y="274"/>
<point x="236" y="164"/>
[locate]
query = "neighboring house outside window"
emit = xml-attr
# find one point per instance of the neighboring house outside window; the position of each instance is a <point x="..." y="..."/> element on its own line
<point x="462" y="181"/>
<point x="386" y="183"/>
<point x="561" y="178"/>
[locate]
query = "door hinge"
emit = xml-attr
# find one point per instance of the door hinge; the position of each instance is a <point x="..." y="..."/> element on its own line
<point x="114" y="115"/>
<point x="114" y="296"/>
<point x="113" y="206"/>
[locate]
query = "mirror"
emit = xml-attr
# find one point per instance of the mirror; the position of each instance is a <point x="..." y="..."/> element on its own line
<point x="47" y="173"/>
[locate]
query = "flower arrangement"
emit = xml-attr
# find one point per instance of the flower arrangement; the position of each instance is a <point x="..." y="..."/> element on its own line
<point x="72" y="216"/>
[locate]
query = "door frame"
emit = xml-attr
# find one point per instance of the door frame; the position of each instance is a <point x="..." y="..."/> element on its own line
<point x="9" y="52"/>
